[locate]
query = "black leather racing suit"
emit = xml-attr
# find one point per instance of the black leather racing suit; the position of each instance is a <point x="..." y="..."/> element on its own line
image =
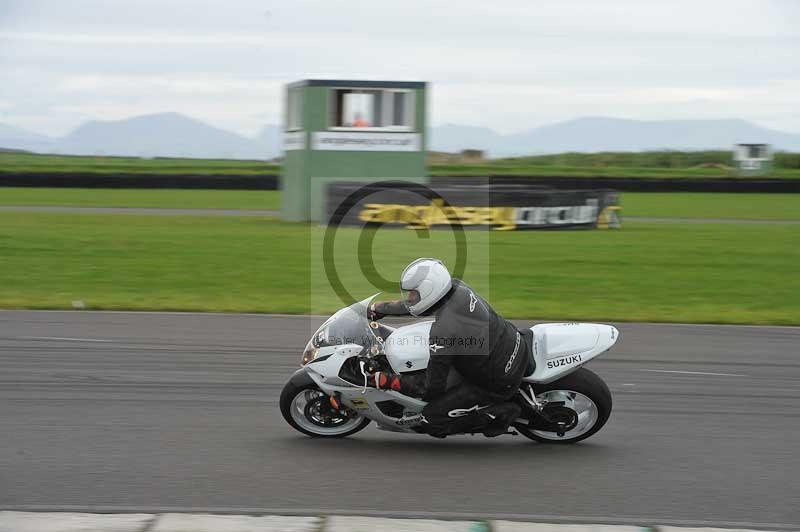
<point x="486" y="350"/>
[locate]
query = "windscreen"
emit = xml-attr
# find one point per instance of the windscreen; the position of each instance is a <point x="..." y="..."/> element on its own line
<point x="348" y="325"/>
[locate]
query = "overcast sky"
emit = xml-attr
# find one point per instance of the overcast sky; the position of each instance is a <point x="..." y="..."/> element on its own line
<point x="509" y="65"/>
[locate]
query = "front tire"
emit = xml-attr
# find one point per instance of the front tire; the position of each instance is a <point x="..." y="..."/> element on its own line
<point x="300" y="406"/>
<point x="583" y="392"/>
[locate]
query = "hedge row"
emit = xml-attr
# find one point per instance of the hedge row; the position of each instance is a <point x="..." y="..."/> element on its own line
<point x="272" y="182"/>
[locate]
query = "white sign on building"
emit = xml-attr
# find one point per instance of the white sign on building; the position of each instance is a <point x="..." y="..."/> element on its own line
<point x="294" y="140"/>
<point x="356" y="141"/>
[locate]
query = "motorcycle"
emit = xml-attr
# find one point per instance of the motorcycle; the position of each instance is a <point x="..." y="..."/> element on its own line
<point x="330" y="396"/>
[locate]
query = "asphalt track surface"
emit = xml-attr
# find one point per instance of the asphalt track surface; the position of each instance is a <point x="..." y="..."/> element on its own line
<point x="138" y="411"/>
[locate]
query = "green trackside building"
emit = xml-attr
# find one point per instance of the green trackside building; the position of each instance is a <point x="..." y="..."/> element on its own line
<point x="338" y="130"/>
<point x="752" y="159"/>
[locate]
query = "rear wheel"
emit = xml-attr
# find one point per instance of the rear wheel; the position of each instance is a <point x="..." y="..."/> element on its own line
<point x="309" y="410"/>
<point x="576" y="406"/>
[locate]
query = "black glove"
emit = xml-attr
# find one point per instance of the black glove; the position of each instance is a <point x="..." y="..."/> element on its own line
<point x="374" y="315"/>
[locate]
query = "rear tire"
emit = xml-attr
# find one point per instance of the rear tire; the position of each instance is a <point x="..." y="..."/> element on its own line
<point x="290" y="408"/>
<point x="581" y="382"/>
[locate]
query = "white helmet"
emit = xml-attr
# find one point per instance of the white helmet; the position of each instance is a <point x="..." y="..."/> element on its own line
<point x="430" y="280"/>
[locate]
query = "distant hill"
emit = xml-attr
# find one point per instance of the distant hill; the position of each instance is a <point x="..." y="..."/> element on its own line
<point x="454" y="138"/>
<point x="15" y="138"/>
<point x="594" y="134"/>
<point x="269" y="141"/>
<point x="159" y="135"/>
<point x="155" y="135"/>
<point x="177" y="135"/>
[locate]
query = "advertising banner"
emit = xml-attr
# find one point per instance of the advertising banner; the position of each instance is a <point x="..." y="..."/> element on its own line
<point x="497" y="207"/>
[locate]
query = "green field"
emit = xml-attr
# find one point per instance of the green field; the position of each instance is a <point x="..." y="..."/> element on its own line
<point x="670" y="205"/>
<point x="34" y="163"/>
<point x="150" y="198"/>
<point x="712" y="205"/>
<point x="517" y="169"/>
<point x="622" y="164"/>
<point x="618" y="164"/>
<point x="726" y="273"/>
<point x="647" y="159"/>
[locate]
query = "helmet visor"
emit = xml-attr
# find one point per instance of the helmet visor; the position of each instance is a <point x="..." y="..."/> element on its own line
<point x="410" y="297"/>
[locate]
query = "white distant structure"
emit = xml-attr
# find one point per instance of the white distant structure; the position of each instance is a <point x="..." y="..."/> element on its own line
<point x="752" y="158"/>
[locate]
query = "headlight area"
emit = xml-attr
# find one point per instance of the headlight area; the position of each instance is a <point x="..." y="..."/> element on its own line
<point x="309" y="354"/>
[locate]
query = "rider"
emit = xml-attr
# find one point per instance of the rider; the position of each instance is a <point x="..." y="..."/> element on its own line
<point x="488" y="351"/>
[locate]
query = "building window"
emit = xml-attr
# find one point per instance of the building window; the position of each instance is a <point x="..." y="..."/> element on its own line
<point x="756" y="151"/>
<point x="355" y="108"/>
<point x="401" y="110"/>
<point x="375" y="109"/>
<point x="359" y="109"/>
<point x="294" y="110"/>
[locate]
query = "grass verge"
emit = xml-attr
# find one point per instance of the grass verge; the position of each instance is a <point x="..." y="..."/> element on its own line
<point x="622" y="164"/>
<point x="33" y="163"/>
<point x="669" y="205"/>
<point x="712" y="205"/>
<point x="645" y="272"/>
<point x="147" y="198"/>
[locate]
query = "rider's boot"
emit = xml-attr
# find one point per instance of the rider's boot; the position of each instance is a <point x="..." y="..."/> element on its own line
<point x="469" y="424"/>
<point x="501" y="416"/>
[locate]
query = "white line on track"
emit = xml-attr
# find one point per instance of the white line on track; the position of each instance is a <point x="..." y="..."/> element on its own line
<point x="63" y="339"/>
<point x="693" y="372"/>
<point x="543" y="518"/>
<point x="325" y="316"/>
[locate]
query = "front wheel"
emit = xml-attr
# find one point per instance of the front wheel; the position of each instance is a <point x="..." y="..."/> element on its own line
<point x="309" y="410"/>
<point x="577" y="406"/>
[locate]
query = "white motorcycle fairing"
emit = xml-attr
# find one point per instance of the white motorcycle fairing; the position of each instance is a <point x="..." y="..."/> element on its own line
<point x="324" y="371"/>
<point x="561" y="348"/>
<point x="408" y="347"/>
